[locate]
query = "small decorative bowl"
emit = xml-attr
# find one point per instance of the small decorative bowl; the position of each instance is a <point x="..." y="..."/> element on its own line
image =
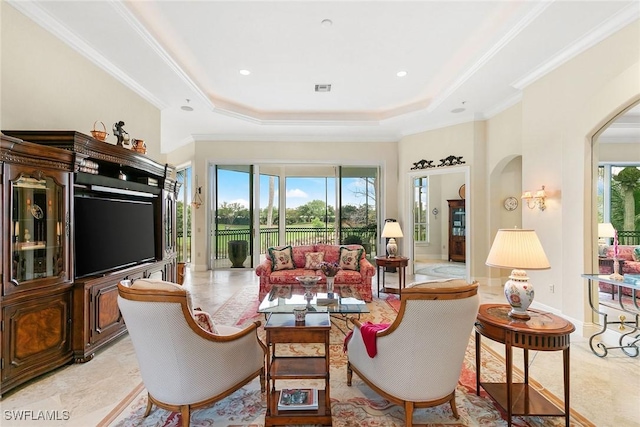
<point x="308" y="280"/>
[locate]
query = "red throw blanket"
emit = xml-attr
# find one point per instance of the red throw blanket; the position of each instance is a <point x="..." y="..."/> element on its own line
<point x="368" y="331"/>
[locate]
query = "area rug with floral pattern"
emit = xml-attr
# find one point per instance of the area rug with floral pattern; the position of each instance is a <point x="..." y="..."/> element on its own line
<point x="353" y="406"/>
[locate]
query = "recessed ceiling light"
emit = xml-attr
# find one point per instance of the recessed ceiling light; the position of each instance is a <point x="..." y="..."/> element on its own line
<point x="326" y="23"/>
<point x="401" y="73"/>
<point x="245" y="72"/>
<point x="187" y="107"/>
<point x="457" y="110"/>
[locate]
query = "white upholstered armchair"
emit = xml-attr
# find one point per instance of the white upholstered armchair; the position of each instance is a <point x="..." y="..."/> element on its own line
<point x="182" y="365"/>
<point x="420" y="355"/>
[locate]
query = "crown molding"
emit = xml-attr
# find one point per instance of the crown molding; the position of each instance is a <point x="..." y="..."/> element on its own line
<point x="440" y="125"/>
<point x="301" y="138"/>
<point x="156" y="47"/>
<point x="500" y="107"/>
<point x="497" y="47"/>
<point x="623" y="139"/>
<point x="296" y="118"/>
<point x="614" y="24"/>
<point x="41" y="17"/>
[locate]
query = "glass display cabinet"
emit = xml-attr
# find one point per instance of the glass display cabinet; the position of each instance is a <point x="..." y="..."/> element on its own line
<point x="36" y="298"/>
<point x="457" y="232"/>
<point x="53" y="311"/>
<point x="38" y="227"/>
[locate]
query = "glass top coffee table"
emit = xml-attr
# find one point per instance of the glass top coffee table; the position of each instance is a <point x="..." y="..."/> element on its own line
<point x="320" y="302"/>
<point x="282" y="299"/>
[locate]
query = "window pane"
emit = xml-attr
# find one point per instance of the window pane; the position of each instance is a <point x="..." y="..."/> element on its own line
<point x="421" y="209"/>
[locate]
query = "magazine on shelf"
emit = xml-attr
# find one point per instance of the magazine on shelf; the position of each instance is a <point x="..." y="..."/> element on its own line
<point x="292" y="399"/>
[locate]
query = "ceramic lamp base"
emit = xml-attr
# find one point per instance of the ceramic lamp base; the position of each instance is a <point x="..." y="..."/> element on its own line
<point x="519" y="293"/>
<point x="616" y="271"/>
<point x="392" y="248"/>
<point x="518" y="315"/>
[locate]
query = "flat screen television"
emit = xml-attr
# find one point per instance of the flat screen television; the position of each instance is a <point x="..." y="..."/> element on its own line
<point x="111" y="233"/>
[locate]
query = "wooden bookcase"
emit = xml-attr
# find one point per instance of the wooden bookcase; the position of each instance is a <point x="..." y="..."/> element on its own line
<point x="48" y="316"/>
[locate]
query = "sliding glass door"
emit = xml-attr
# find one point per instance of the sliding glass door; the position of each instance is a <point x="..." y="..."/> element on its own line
<point x="269" y="208"/>
<point x="259" y="206"/>
<point x="183" y="215"/>
<point x="358" y="207"/>
<point x="310" y="210"/>
<point x="232" y="222"/>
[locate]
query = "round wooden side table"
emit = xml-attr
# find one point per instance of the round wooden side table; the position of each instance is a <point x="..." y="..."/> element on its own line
<point x="398" y="262"/>
<point x="542" y="332"/>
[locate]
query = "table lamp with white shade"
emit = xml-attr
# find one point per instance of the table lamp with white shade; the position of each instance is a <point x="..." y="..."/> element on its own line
<point x="606" y="231"/>
<point x="518" y="249"/>
<point x="392" y="231"/>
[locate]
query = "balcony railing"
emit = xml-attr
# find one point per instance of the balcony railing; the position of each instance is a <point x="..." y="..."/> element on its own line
<point x="293" y="236"/>
<point x="182" y="257"/>
<point x="628" y="237"/>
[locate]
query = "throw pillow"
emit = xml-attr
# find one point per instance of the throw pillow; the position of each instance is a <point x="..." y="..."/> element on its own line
<point x="636" y="253"/>
<point x="204" y="320"/>
<point x="313" y="260"/>
<point x="350" y="259"/>
<point x="281" y="259"/>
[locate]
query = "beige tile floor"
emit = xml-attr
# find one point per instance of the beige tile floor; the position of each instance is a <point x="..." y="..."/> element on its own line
<point x="605" y="390"/>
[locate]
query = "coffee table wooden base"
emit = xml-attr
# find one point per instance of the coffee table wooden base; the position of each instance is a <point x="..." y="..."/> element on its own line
<point x="281" y="328"/>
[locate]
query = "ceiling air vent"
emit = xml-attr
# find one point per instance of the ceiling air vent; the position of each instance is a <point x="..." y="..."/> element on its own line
<point x="323" y="88"/>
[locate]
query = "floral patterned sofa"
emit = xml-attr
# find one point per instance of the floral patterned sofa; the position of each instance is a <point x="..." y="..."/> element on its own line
<point x="353" y="279"/>
<point x="628" y="265"/>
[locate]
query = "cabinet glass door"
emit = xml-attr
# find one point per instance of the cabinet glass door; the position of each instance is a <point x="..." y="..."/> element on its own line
<point x="38" y="228"/>
<point x="458" y="222"/>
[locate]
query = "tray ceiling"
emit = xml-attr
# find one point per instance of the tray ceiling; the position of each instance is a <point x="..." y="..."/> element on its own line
<point x="464" y="60"/>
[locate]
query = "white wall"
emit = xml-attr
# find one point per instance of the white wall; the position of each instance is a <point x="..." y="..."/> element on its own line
<point x="619" y="152"/>
<point x="549" y="132"/>
<point x="46" y="85"/>
<point x="559" y="114"/>
<point x="460" y="140"/>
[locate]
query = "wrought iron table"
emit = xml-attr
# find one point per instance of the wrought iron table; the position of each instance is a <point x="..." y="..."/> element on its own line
<point x="631" y="348"/>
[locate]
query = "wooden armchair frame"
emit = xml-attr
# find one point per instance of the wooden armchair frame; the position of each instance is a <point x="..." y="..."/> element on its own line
<point x="180" y="296"/>
<point x="454" y="290"/>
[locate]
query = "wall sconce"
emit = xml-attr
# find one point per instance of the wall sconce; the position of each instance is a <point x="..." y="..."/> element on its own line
<point x="536" y="199"/>
<point x="197" y="199"/>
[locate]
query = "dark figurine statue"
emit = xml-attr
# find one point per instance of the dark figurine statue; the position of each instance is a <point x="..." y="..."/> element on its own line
<point x="423" y="164"/>
<point x="451" y="161"/>
<point x="120" y="133"/>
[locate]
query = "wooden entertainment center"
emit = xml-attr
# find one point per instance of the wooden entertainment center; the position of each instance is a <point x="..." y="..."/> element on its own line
<point x="50" y="316"/>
